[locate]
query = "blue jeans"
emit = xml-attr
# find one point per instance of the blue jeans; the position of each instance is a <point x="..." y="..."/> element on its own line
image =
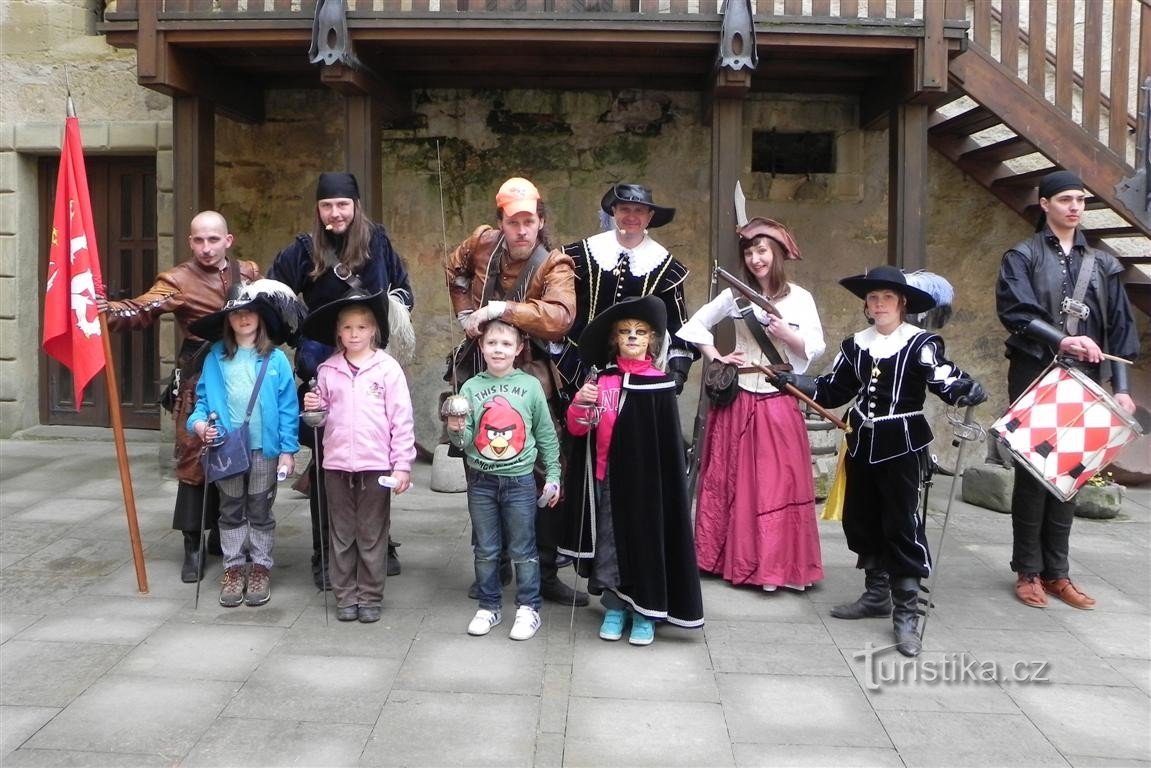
<point x="498" y="505"/>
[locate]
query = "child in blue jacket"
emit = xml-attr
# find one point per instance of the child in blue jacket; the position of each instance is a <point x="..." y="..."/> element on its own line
<point x="248" y="330"/>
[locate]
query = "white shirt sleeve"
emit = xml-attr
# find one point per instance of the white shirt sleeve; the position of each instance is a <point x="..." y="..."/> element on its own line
<point x="798" y="309"/>
<point x="697" y="330"/>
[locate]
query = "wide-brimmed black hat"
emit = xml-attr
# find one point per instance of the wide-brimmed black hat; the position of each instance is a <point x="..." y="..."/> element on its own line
<point x="320" y="324"/>
<point x="886" y="277"/>
<point x="640" y="195"/>
<point x="280" y="311"/>
<point x="594" y="347"/>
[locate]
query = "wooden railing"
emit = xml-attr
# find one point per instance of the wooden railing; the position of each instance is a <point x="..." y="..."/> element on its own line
<point x="1066" y="66"/>
<point x="892" y="10"/>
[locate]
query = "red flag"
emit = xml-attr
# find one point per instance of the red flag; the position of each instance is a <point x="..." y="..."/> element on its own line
<point x="71" y="320"/>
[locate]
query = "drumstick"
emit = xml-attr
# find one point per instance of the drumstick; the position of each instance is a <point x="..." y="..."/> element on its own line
<point x="1115" y="359"/>
<point x="792" y="390"/>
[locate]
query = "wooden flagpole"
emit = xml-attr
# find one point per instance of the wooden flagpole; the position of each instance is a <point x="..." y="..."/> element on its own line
<point x="122" y="459"/>
<point x="118" y="431"/>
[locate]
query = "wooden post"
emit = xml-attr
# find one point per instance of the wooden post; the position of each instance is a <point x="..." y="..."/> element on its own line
<point x="907" y="186"/>
<point x="727" y="153"/>
<point x="193" y="160"/>
<point x="362" y="116"/>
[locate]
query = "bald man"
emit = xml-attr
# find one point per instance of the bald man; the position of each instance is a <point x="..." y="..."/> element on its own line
<point x="189" y="291"/>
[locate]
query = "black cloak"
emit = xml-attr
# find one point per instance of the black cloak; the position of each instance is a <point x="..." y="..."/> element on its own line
<point x="651" y="518"/>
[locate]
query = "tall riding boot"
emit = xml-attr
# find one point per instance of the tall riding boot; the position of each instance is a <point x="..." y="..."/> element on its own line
<point x="905" y="615"/>
<point x="190" y="570"/>
<point x="551" y="588"/>
<point x="393" y="560"/>
<point x="875" y="602"/>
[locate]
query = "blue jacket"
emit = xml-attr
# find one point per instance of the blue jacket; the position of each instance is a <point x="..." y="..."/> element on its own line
<point x="279" y="408"/>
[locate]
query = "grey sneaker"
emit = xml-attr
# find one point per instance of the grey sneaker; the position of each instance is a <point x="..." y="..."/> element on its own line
<point x="259" y="586"/>
<point x="232" y="587"/>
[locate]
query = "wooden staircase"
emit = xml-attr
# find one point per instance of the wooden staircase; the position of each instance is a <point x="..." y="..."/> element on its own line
<point x="1007" y="132"/>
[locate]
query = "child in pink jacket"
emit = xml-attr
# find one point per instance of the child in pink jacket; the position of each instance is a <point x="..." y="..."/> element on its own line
<point x="369" y="446"/>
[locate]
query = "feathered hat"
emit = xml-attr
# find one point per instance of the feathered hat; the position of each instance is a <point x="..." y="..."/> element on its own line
<point x="639" y="195"/>
<point x="886" y="277"/>
<point x="279" y="310"/>
<point x="594" y="347"/>
<point x="941" y="291"/>
<point x="321" y="323"/>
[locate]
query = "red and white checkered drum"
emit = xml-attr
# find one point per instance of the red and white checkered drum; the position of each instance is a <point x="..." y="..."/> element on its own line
<point x="1064" y="428"/>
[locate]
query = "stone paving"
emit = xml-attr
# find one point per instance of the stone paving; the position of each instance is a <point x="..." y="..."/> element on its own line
<point x="92" y="673"/>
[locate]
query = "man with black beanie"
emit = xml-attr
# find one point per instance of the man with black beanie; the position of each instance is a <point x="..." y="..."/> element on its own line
<point x="1058" y="296"/>
<point x="345" y="250"/>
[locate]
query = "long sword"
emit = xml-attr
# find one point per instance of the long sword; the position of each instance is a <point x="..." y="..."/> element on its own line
<point x="965" y="431"/>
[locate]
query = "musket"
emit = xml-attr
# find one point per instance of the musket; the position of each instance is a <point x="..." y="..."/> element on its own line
<point x="752" y="295"/>
<point x="791" y="389"/>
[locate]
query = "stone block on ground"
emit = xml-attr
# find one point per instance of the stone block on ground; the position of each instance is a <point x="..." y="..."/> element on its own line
<point x="989" y="486"/>
<point x="1099" y="502"/>
<point x="447" y="471"/>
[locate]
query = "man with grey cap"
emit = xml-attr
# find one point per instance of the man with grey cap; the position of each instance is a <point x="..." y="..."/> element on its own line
<point x="625" y="262"/>
<point x="1058" y="296"/>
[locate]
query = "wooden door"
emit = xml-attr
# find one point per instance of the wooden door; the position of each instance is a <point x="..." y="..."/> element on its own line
<point x="123" y="191"/>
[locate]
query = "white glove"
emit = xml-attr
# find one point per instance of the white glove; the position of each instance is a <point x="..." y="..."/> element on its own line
<point x="551" y="491"/>
<point x="463" y="318"/>
<point x="492" y="310"/>
<point x="760" y="314"/>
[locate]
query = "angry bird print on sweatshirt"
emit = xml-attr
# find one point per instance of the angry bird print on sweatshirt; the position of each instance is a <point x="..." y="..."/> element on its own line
<point x="501" y="431"/>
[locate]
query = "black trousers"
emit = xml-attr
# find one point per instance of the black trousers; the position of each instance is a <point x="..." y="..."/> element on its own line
<point x="1040" y="522"/>
<point x="882" y="516"/>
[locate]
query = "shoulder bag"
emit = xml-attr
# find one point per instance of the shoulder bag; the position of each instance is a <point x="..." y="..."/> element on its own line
<point x="229" y="456"/>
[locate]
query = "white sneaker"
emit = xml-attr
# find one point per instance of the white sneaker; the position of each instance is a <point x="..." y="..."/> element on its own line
<point x="527" y="623"/>
<point x="484" y="621"/>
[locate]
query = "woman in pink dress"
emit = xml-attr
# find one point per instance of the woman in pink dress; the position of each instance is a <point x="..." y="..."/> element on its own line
<point x="755" y="519"/>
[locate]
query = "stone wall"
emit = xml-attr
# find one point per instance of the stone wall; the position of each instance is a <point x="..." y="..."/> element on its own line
<point x="573" y="145"/>
<point x="44" y="46"/>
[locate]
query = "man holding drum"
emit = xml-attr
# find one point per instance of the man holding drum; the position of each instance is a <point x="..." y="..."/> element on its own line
<point x="1058" y="296"/>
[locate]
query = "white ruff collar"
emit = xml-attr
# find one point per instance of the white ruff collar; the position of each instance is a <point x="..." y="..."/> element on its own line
<point x="882" y="347"/>
<point x="605" y="250"/>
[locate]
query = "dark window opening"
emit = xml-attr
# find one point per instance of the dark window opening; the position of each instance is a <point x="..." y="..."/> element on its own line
<point x="799" y="153"/>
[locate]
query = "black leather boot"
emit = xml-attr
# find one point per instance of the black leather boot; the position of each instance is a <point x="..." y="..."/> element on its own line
<point x="875" y="602"/>
<point x="214" y="541"/>
<point x="551" y="588"/>
<point x="393" y="559"/>
<point x="320" y="573"/>
<point x="905" y="615"/>
<point x="190" y="570"/>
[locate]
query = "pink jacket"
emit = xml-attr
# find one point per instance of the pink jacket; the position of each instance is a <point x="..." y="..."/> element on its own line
<point x="370" y="424"/>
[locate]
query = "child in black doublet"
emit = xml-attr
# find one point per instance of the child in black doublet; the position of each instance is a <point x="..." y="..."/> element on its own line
<point x="888" y="369"/>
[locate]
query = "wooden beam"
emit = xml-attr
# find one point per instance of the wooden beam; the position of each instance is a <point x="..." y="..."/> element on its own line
<point x="727" y="138"/>
<point x="907" y="186"/>
<point x="362" y="119"/>
<point x="394" y="102"/>
<point x="933" y="49"/>
<point x="193" y="161"/>
<point x="182" y="72"/>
